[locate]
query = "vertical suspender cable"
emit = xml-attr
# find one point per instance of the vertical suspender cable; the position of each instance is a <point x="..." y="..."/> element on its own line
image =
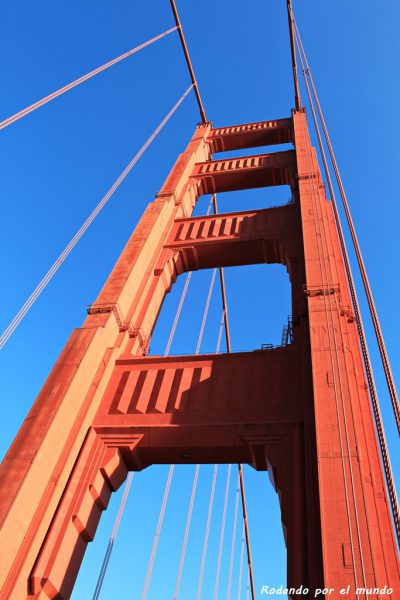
<point x="210" y="291"/>
<point x="113" y="536"/>
<point x="181" y="301"/>
<point x="64" y="254"/>
<point x="171" y="470"/>
<point x="246" y="529"/>
<point x="157" y="533"/>
<point x="194" y="486"/>
<point x="248" y="588"/>
<point x="221" y="539"/>
<point x="167" y="488"/>
<point x="221" y="328"/>
<point x="364" y="277"/>
<point x="223" y="291"/>
<point x="207" y="532"/>
<point x="212" y="492"/>
<point x="360" y="327"/>
<point x="178" y="313"/>
<point x="221" y="273"/>
<point x="241" y="566"/>
<point x="228" y="594"/>
<point x="185" y="539"/>
<point x="228" y="346"/>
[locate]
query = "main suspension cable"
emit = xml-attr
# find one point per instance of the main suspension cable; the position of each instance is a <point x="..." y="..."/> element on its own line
<point x="367" y="361"/>
<point x="64" y="254"/>
<point x="188" y="61"/>
<point x="297" y="97"/>
<point x="69" y="86"/>
<point x="368" y="292"/>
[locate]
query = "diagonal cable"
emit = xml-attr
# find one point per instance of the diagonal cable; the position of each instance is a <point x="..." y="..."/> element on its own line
<point x="26" y="111"/>
<point x="64" y="254"/>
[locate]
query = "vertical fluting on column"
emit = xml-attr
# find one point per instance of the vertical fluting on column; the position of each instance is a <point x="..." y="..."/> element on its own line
<point x="358" y="545"/>
<point x="36" y="469"/>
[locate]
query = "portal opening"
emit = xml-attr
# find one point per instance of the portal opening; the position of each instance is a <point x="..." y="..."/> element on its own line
<point x="132" y="547"/>
<point x="259" y="308"/>
<point x="251" y="199"/>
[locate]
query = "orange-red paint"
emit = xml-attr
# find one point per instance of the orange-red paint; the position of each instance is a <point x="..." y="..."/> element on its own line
<point x="300" y="411"/>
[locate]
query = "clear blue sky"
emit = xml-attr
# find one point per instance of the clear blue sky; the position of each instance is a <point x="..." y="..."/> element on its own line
<point x="57" y="163"/>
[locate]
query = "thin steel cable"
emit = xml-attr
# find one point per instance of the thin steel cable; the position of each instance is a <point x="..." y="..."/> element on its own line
<point x="297" y="97"/>
<point x="168" y="484"/>
<point x="130" y="475"/>
<point x="367" y="361"/>
<point x="221" y="328"/>
<point x="64" y="254"/>
<point x="228" y="347"/>
<point x="248" y="587"/>
<point x="241" y="565"/>
<point x="178" y="313"/>
<point x="103" y="570"/>
<point x="212" y="491"/>
<point x="247" y="533"/>
<point x="228" y="594"/>
<point x="193" y="494"/>
<point x="188" y="61"/>
<point x="179" y="310"/>
<point x="113" y="536"/>
<point x="69" y="86"/>
<point x="368" y="292"/>
<point x="185" y="538"/>
<point x="203" y="323"/>
<point x="207" y="533"/>
<point x="157" y="533"/>
<point x="324" y="282"/>
<point x="223" y="291"/>
<point x="347" y="268"/>
<point x="222" y="534"/>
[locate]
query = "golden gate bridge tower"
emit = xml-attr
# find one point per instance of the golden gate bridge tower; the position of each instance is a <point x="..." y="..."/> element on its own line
<point x="306" y="411"/>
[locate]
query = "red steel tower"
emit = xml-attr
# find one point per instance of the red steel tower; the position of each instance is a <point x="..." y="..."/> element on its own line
<point x="300" y="411"/>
